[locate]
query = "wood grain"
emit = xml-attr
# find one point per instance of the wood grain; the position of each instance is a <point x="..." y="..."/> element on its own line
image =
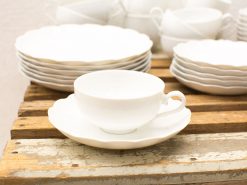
<point x="162" y="63"/>
<point x="184" y="159"/>
<point x="201" y="122"/>
<point x="197" y="103"/>
<point x="37" y="92"/>
<point x="164" y="74"/>
<point x="211" y="150"/>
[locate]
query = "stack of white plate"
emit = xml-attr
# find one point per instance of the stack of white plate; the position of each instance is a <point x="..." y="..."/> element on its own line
<point x="216" y="67"/>
<point x="242" y="25"/>
<point x="55" y="56"/>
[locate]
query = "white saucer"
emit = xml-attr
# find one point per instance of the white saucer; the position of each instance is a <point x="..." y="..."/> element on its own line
<point x="65" y="116"/>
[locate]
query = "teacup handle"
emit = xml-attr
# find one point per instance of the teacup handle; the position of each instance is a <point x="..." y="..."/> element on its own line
<point x="156" y="15"/>
<point x="177" y="109"/>
<point x="227" y="19"/>
<point x="123" y="6"/>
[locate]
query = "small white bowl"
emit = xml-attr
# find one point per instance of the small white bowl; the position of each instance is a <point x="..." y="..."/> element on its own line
<point x="144" y="6"/>
<point x="66" y="15"/>
<point x="195" y="23"/>
<point x="222" y="5"/>
<point x="87" y="11"/>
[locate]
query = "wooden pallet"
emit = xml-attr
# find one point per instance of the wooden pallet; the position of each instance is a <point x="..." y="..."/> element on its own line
<point x="211" y="150"/>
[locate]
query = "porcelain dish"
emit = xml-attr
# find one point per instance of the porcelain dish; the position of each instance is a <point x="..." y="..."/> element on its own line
<point x="211" y="89"/>
<point x="222" y="54"/>
<point x="209" y="79"/>
<point x="66" y="111"/>
<point x="54" y="56"/>
<point x="88" y="43"/>
<point x="57" y="81"/>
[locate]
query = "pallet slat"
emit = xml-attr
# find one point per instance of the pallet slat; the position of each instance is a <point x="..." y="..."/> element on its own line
<point x="162" y="63"/>
<point x="37" y="92"/>
<point x="180" y="160"/>
<point x="164" y="74"/>
<point x="201" y="122"/>
<point x="197" y="103"/>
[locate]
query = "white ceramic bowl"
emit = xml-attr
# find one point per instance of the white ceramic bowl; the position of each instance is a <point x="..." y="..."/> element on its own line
<point x="65" y="15"/>
<point x="144" y="6"/>
<point x="222" y="5"/>
<point x="191" y="22"/>
<point x="194" y="23"/>
<point x="87" y="11"/>
<point x="168" y="43"/>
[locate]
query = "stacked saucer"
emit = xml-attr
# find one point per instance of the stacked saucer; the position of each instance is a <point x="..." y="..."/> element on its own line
<point x="55" y="56"/>
<point x="242" y="25"/>
<point x="216" y="67"/>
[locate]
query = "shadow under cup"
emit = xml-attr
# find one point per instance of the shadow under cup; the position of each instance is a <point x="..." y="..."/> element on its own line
<point x="119" y="101"/>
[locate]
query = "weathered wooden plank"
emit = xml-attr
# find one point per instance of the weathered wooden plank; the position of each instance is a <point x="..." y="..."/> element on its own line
<point x="162" y="63"/>
<point x="201" y="122"/>
<point x="37" y="92"/>
<point x="197" y="103"/>
<point x="184" y="159"/>
<point x="164" y="74"/>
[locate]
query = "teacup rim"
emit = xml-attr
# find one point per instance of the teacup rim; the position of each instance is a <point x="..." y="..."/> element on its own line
<point x="174" y="12"/>
<point x="100" y="97"/>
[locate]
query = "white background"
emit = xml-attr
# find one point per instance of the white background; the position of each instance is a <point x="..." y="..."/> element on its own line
<point x="16" y="17"/>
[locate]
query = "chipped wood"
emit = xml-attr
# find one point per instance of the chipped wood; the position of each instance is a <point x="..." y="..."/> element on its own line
<point x="192" y="158"/>
<point x="196" y="158"/>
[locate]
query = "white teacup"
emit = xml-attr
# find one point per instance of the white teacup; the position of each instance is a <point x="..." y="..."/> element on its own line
<point x="120" y="101"/>
<point x="193" y="23"/>
<point x="89" y="11"/>
<point x="66" y="15"/>
<point x="144" y="6"/>
<point x="222" y="5"/>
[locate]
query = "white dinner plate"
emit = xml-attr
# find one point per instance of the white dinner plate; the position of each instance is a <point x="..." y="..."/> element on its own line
<point x="221" y="54"/>
<point x="208" y="81"/>
<point x="208" y="75"/>
<point x="66" y="117"/>
<point x="56" y="85"/>
<point x="211" y="89"/>
<point x="87" y="43"/>
<point x="50" y="85"/>
<point x="63" y="80"/>
<point x="76" y="72"/>
<point x="212" y="70"/>
<point x="87" y="67"/>
<point x="34" y="71"/>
